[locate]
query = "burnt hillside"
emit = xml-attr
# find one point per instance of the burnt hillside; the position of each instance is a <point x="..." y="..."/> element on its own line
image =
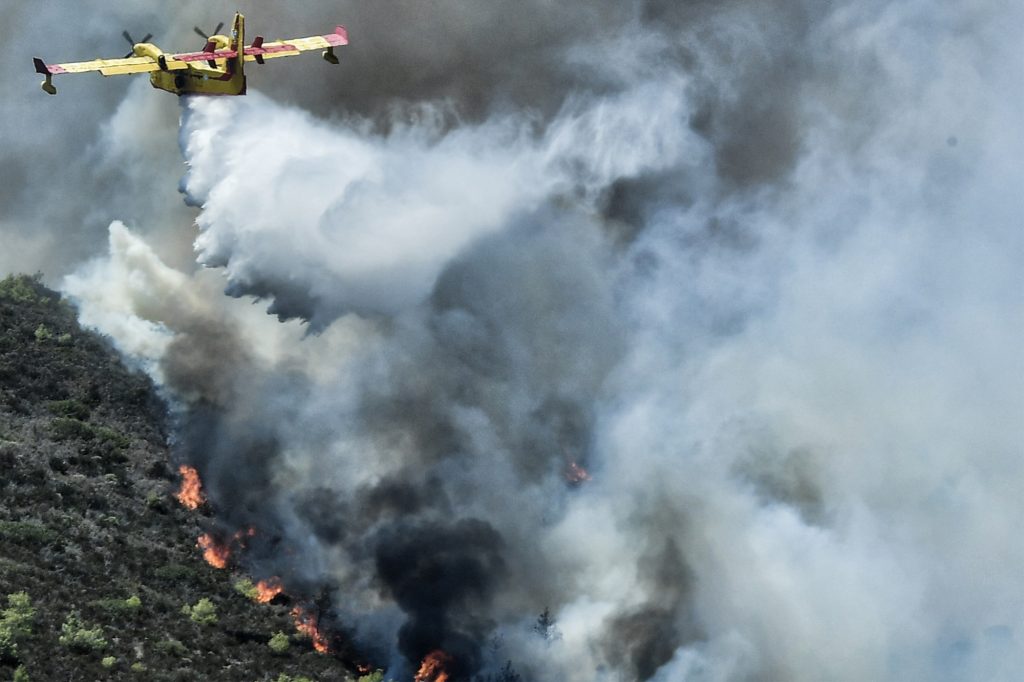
<point x="100" y="576"/>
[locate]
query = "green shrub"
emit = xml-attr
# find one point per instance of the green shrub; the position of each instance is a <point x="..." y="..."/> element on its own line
<point x="172" y="647"/>
<point x="202" y="612"/>
<point x="8" y="644"/>
<point x="116" y="606"/>
<point x="19" y="288"/>
<point x="20" y="674"/>
<point x="115" y="438"/>
<point x="279" y="643"/>
<point x="246" y="588"/>
<point x="19" y="614"/>
<point x="66" y="428"/>
<point x="15" y="623"/>
<point x="43" y="333"/>
<point x="139" y="667"/>
<point x="78" y="637"/>
<point x="69" y="408"/>
<point x="26" y="533"/>
<point x="108" y="661"/>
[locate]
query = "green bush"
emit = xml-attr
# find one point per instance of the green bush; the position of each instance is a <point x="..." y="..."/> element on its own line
<point x="20" y="288"/>
<point x="69" y="408"/>
<point x="115" y="438"/>
<point x="19" y="614"/>
<point x="172" y="647"/>
<point x="20" y="674"/>
<point x="108" y="661"/>
<point x="202" y="612"/>
<point x="279" y="643"/>
<point x="78" y="637"/>
<point x="26" y="533"/>
<point x="139" y="667"/>
<point x="66" y="428"/>
<point x="246" y="588"/>
<point x="132" y="603"/>
<point x="15" y="623"/>
<point x="43" y="333"/>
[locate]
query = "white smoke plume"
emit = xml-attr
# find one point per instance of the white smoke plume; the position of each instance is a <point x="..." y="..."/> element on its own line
<point x="789" y="364"/>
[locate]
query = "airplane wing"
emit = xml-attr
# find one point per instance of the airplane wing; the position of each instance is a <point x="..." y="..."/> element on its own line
<point x="260" y="50"/>
<point x="108" y="67"/>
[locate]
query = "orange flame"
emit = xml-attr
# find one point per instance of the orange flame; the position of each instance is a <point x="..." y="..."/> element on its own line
<point x="216" y="554"/>
<point x="191" y="493"/>
<point x="306" y="623"/>
<point x="268" y="589"/>
<point x="433" y="667"/>
<point x="576" y="474"/>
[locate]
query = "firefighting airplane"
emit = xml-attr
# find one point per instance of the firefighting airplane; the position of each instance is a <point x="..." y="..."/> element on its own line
<point x="219" y="69"/>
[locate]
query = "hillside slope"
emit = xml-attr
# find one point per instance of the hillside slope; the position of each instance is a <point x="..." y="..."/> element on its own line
<point x="97" y="558"/>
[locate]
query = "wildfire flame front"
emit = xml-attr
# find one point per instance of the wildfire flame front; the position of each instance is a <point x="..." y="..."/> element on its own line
<point x="267" y="589"/>
<point x="215" y="553"/>
<point x="306" y="623"/>
<point x="190" y="495"/>
<point x="433" y="667"/>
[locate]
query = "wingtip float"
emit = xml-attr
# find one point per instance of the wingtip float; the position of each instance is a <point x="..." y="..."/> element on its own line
<point x="217" y="69"/>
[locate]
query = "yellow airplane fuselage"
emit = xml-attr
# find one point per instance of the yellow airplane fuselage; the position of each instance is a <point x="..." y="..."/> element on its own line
<point x="213" y="77"/>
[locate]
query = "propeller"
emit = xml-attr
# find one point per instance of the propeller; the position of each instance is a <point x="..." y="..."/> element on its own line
<point x="131" y="41"/>
<point x="203" y="34"/>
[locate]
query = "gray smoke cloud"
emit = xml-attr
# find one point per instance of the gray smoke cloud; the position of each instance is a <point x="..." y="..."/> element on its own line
<point x="754" y="267"/>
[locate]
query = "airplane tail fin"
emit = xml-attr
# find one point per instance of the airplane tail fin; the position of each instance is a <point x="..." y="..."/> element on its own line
<point x="46" y="85"/>
<point x="238" y="40"/>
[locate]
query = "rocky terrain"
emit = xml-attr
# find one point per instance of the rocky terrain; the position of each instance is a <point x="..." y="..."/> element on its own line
<point x="100" y="574"/>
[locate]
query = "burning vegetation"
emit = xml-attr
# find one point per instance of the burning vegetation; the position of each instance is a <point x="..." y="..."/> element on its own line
<point x="307" y="623"/>
<point x="216" y="553"/>
<point x="434" y="667"/>
<point x="190" y="495"/>
<point x="267" y="589"/>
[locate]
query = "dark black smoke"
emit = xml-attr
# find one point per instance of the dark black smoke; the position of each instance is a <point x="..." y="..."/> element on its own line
<point x="442" y="576"/>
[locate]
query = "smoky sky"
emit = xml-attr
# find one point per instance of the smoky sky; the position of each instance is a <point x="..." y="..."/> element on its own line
<point x="63" y="176"/>
<point x="694" y="325"/>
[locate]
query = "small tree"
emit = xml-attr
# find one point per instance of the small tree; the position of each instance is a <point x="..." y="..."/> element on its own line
<point x="77" y="636"/>
<point x="545" y="626"/>
<point x="202" y="612"/>
<point x="15" y="623"/>
<point x="279" y="643"/>
<point x="246" y="588"/>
